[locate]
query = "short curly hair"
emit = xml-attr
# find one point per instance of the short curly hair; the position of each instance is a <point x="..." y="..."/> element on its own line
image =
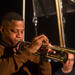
<point x="10" y="16"/>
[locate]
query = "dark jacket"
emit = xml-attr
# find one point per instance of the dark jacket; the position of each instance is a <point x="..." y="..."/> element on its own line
<point x="21" y="62"/>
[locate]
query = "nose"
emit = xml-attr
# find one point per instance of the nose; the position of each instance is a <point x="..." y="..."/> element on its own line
<point x="69" y="61"/>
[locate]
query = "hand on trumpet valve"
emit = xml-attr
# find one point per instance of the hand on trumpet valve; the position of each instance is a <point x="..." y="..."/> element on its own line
<point x="38" y="42"/>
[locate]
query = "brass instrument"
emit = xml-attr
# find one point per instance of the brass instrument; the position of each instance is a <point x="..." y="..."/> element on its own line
<point x="61" y="54"/>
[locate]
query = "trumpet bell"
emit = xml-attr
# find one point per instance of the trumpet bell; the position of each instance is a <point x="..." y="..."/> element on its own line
<point x="59" y="57"/>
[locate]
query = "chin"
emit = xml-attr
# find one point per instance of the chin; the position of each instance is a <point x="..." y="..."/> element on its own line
<point x="14" y="44"/>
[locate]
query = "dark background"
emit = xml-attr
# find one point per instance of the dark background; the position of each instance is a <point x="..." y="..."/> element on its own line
<point x="47" y="21"/>
<point x="10" y="5"/>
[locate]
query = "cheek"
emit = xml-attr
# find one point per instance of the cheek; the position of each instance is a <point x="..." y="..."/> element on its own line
<point x="12" y="36"/>
<point x="72" y="62"/>
<point x="22" y="35"/>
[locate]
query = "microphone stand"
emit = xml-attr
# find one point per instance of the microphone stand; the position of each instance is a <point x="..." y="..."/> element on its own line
<point x="35" y="20"/>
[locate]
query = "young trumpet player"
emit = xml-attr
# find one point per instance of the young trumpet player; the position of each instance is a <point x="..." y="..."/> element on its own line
<point x="15" y="61"/>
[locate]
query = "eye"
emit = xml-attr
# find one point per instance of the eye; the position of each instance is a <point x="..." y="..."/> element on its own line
<point x="14" y="31"/>
<point x="22" y="32"/>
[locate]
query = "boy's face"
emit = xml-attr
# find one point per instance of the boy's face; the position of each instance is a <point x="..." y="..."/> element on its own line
<point x="14" y="32"/>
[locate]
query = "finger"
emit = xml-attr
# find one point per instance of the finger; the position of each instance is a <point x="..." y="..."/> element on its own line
<point x="38" y="37"/>
<point x="14" y="50"/>
<point x="41" y="37"/>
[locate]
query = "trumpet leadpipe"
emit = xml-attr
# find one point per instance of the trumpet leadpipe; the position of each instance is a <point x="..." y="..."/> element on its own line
<point x="57" y="48"/>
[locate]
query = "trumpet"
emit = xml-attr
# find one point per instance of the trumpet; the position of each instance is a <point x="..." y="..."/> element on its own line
<point x="61" y="54"/>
